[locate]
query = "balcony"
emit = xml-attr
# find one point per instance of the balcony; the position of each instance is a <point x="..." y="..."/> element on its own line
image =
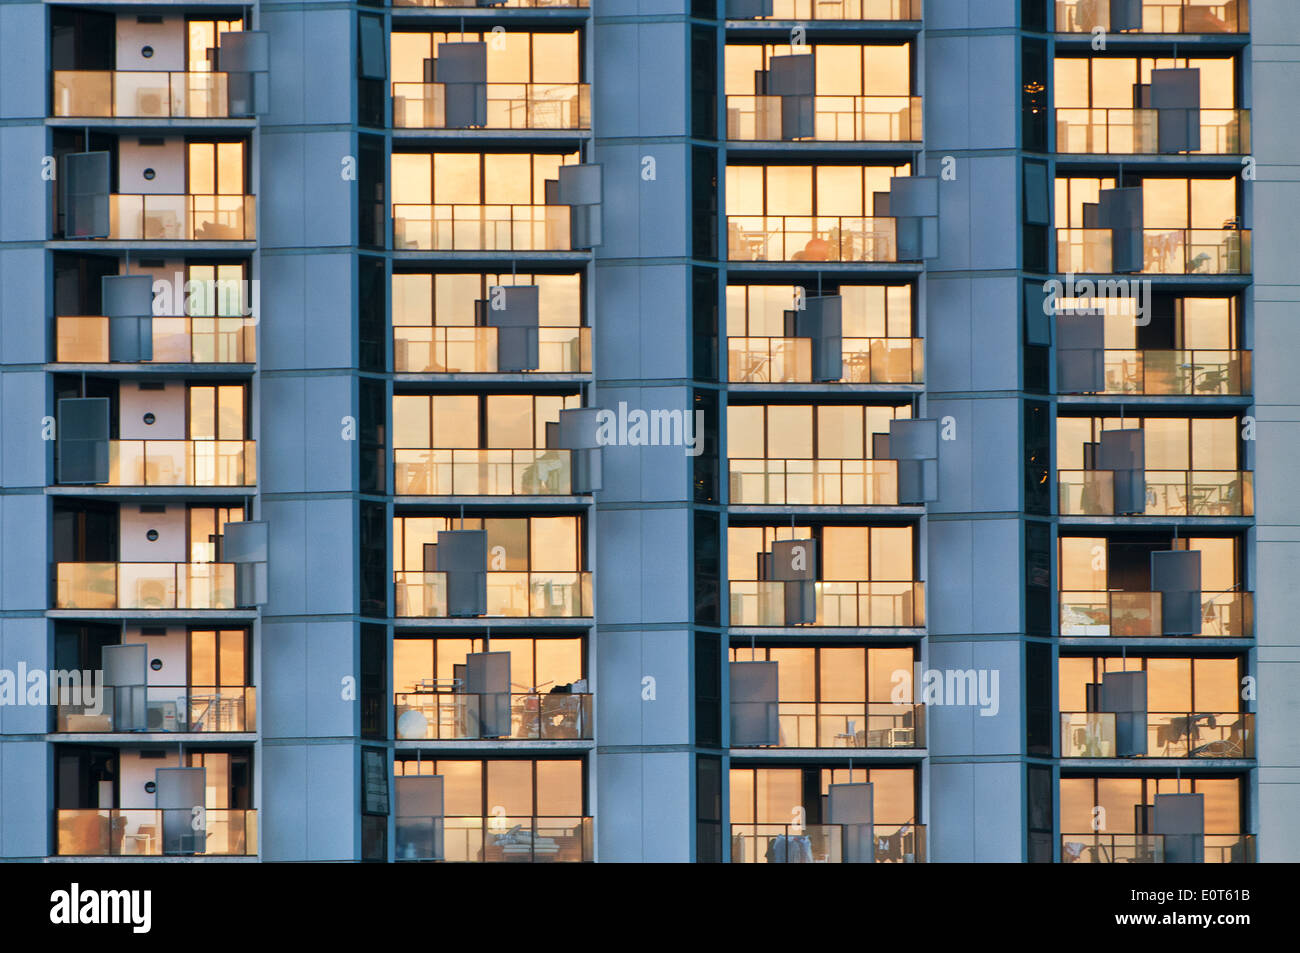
<point x="83" y="339"/>
<point x="1224" y="132"/>
<point x="1159" y="16"/>
<point x="482" y="473"/>
<point x="144" y="586"/>
<point x="509" y="106"/>
<point x="835" y="119"/>
<point x="1169" y="735"/>
<point x="1137" y="614"/>
<point x="812" y="238"/>
<point x="168" y="708"/>
<point x="820" y="724"/>
<point x="525" y="595"/>
<point x="824" y="843"/>
<point x="854" y="604"/>
<point x="1166" y="251"/>
<point x="481" y="227"/>
<point x="181" y="217"/>
<point x="1198" y="373"/>
<point x="1096" y="848"/>
<point x="124" y="832"/>
<point x="1168" y="493"/>
<point x="182" y="463"/>
<point x="122" y="94"/>
<point x="772" y="360"/>
<point x="815" y="482"/>
<point x="528" y="840"/>
<point x="457" y="716"/>
<point x="471" y="350"/>
<point x="890" y="10"/>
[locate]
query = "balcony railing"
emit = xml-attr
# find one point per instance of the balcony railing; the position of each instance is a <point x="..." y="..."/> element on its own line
<point x="472" y="350"/>
<point x="83" y="339"/>
<point x="529" y="840"/>
<point x="181" y="217"/>
<point x="511" y="594"/>
<point x="811" y="238"/>
<point x="509" y="106"/>
<point x="1136" y="131"/>
<point x="132" y="94"/>
<point x="815" y="482"/>
<point x="482" y="472"/>
<point x="181" y="708"/>
<point x="459" y="716"/>
<point x="126" y="832"/>
<point x="481" y="227"/>
<point x="821" y="724"/>
<point x="771" y="360"/>
<point x="825" y="843"/>
<point x="1190" y="372"/>
<point x="1168" y="493"/>
<point x="856" y="604"/>
<point x="1097" y="848"/>
<point x="1137" y="614"/>
<point x="182" y="463"/>
<point x="845" y="10"/>
<point x="144" y="586"/>
<point x="1159" y="16"/>
<point x="1169" y="735"/>
<point x="835" y="119"/>
<point x="1166" y="251"/>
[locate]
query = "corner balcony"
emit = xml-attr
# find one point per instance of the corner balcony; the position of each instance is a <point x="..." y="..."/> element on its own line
<point x="509" y="106"/>
<point x="1138" y="614"/>
<point x="482" y="473"/>
<point x="811" y="238"/>
<point x="526" y="595"/>
<point x="181" y="217"/>
<point x="528" y="840"/>
<point x="835" y="119"/>
<point x="889" y="10"/>
<point x="814" y="482"/>
<point x="857" y="725"/>
<point x="1159" y="16"/>
<point x="126" y="832"/>
<point x="144" y="585"/>
<point x="481" y="227"/>
<point x="167" y="708"/>
<point x="1189" y="373"/>
<point x="138" y="94"/>
<point x="853" y="604"/>
<point x="1224" y="132"/>
<point x="1097" y="848"/>
<point x="83" y="339"/>
<point x="459" y="716"/>
<point x="182" y="463"/>
<point x="826" y="843"/>
<point x="1166" y="251"/>
<point x="1168" y="735"/>
<point x="772" y="360"/>
<point x="473" y="350"/>
<point x="1168" y="493"/>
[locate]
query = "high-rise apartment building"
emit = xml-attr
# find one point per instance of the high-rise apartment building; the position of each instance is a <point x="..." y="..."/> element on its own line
<point x="690" y="430"/>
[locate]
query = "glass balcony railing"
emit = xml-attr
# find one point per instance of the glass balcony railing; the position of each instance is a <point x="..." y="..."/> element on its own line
<point x="138" y="94"/>
<point x="182" y="463"/>
<point x="1166" y="251"/>
<point x="191" y="218"/>
<point x="83" y="339"/>
<point x="459" y="716"/>
<point x="529" y="840"/>
<point x="1197" y="372"/>
<point x="1137" y="614"/>
<point x="126" y="832"/>
<point x="815" y="482"/>
<point x="509" y="106"/>
<point x="482" y="472"/>
<point x="856" y="604"/>
<point x="473" y="350"/>
<point x="770" y="360"/>
<point x="811" y="238"/>
<point x="892" y="10"/>
<point x="825" y="843"/>
<point x="821" y="724"/>
<point x="1168" y="493"/>
<point x="181" y="708"/>
<point x="1169" y="735"/>
<point x="835" y="119"/>
<point x="511" y="594"/>
<point x="481" y="227"/>
<point x="144" y="585"/>
<point x="1159" y="16"/>
<point x="1097" y="848"/>
<point x="493" y="3"/>
<point x="1136" y="131"/>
